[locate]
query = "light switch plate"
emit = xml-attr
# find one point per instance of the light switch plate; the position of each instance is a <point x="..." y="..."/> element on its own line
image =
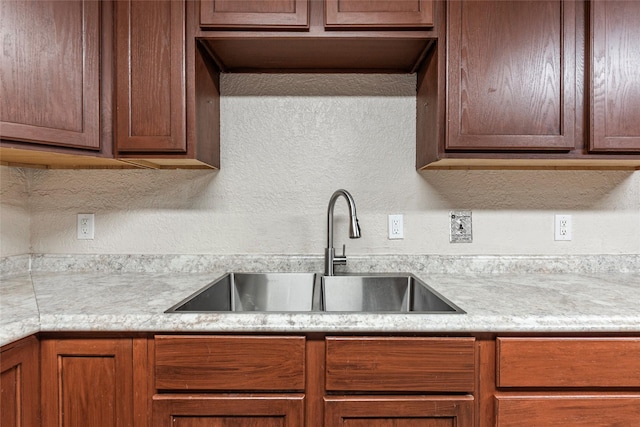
<point x="460" y="230"/>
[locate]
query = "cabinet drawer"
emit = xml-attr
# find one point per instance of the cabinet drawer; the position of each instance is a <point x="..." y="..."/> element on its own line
<point x="400" y="364"/>
<point x="567" y="411"/>
<point x="273" y="14"/>
<point x="229" y="363"/>
<point x="568" y="362"/>
<point x="349" y="14"/>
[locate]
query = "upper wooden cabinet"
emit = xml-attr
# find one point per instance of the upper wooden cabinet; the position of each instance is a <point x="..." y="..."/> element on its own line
<point x="615" y="76"/>
<point x="509" y="86"/>
<point x="378" y="14"/>
<point x="167" y="99"/>
<point x="512" y="75"/>
<point x="318" y="35"/>
<point x="150" y="77"/>
<point x="254" y="14"/>
<point x="50" y="66"/>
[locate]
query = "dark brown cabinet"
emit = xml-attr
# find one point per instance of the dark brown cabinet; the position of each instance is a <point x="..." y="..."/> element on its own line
<point x="358" y="369"/>
<point x="568" y="381"/>
<point x="512" y="75"/>
<point x="229" y="411"/>
<point x="511" y="84"/>
<point x="399" y="411"/>
<point x="254" y="14"/>
<point x="20" y="384"/>
<point x="378" y="14"/>
<point x="317" y="35"/>
<point x="106" y="84"/>
<point x="614" y="104"/>
<point x="239" y="381"/>
<point x="167" y="98"/>
<point x="263" y="381"/>
<point x="56" y="83"/>
<point x="51" y="72"/>
<point x="87" y="382"/>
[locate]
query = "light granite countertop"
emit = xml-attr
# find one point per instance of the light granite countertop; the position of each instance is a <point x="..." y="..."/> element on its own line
<point x="136" y="301"/>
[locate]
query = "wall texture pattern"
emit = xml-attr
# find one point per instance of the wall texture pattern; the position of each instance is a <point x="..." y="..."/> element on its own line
<point x="289" y="141"/>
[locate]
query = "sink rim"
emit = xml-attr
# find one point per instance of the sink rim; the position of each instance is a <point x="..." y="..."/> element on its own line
<point x="318" y="291"/>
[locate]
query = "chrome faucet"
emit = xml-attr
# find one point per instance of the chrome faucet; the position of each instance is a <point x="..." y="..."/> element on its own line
<point x="330" y="258"/>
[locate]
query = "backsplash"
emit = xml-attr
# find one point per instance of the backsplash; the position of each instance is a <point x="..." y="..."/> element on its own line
<point x="426" y="264"/>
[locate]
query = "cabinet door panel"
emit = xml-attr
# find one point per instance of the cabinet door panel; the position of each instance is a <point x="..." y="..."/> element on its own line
<point x="378" y="14"/>
<point x="50" y="72"/>
<point x="226" y="411"/>
<point x="150" y="76"/>
<point x="20" y="385"/>
<point x="568" y="362"/>
<point x="388" y="364"/>
<point x="615" y="69"/>
<point x="512" y="75"/>
<point x="567" y="411"/>
<point x="87" y="382"/>
<point x="254" y="14"/>
<point x="229" y="363"/>
<point x="400" y="411"/>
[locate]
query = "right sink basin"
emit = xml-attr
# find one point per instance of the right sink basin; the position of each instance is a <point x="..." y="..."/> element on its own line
<point x="390" y="293"/>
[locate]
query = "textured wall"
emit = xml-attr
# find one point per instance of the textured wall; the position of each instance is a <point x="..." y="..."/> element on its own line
<point x="14" y="211"/>
<point x="289" y="141"/>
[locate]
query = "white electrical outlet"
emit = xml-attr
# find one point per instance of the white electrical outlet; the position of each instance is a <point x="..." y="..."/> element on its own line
<point x="86" y="226"/>
<point x="396" y="227"/>
<point x="562" y="227"/>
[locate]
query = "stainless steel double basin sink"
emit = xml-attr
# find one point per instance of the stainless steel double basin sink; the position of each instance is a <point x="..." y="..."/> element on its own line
<point x="310" y="292"/>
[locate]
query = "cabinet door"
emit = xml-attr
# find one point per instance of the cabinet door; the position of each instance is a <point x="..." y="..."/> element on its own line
<point x="419" y="411"/>
<point x="567" y="411"/>
<point x="150" y="76"/>
<point x="20" y="384"/>
<point x="615" y="76"/>
<point x="254" y="14"/>
<point x="227" y="411"/>
<point x="511" y="75"/>
<point x="378" y="14"/>
<point x="50" y="72"/>
<point x="87" y="382"/>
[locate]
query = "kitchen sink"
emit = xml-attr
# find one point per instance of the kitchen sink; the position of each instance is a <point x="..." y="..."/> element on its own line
<point x="305" y="292"/>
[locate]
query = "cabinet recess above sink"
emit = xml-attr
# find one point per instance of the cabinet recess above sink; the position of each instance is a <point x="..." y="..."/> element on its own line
<point x="354" y="37"/>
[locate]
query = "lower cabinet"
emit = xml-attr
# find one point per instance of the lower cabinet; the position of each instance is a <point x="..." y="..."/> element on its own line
<point x="20" y="384"/>
<point x="399" y="411"/>
<point x="229" y="411"/>
<point x="88" y="382"/>
<point x="564" y="381"/>
<point x="287" y="381"/>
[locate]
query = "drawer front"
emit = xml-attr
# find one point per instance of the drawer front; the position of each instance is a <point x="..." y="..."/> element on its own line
<point x="400" y="364"/>
<point x="229" y="363"/>
<point x="568" y="362"/>
<point x="567" y="411"/>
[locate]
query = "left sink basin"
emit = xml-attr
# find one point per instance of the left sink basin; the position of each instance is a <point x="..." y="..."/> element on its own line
<point x="276" y="292"/>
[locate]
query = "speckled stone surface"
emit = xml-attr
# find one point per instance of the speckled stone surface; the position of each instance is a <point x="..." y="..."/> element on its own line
<point x="19" y="316"/>
<point x="73" y="299"/>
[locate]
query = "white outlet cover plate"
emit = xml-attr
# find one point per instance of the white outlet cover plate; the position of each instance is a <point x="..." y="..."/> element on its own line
<point x="562" y="228"/>
<point x="396" y="226"/>
<point x="86" y="226"/>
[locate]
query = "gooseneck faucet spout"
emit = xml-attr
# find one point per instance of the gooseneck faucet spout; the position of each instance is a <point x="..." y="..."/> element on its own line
<point x="330" y="258"/>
